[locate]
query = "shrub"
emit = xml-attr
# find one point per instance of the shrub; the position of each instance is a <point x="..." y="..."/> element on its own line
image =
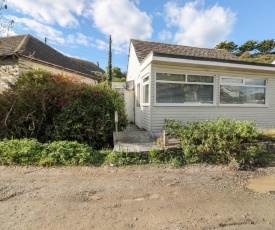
<point x="51" y="107"/>
<point x="123" y="158"/>
<point x="222" y="141"/>
<point x="89" y="117"/>
<point x="172" y="157"/>
<point x="20" y="152"/>
<point x="69" y="153"/>
<point x="31" y="152"/>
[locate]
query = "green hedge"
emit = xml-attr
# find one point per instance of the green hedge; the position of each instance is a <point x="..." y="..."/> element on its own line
<point x="51" y="107"/>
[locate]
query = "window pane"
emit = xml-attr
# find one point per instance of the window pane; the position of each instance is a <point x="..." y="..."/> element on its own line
<point x="138" y="95"/>
<point x="169" y="93"/>
<point x="242" y="95"/>
<point x="232" y="80"/>
<point x="255" y="82"/>
<point x="198" y="94"/>
<point x="184" y="93"/>
<point x="145" y="79"/>
<point x="197" y="78"/>
<point x="170" y="77"/>
<point x="146" y="94"/>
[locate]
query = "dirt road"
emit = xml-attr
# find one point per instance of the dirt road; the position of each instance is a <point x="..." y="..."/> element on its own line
<point x="193" y="197"/>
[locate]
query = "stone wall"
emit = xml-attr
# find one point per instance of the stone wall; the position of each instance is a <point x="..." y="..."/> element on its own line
<point x="9" y="72"/>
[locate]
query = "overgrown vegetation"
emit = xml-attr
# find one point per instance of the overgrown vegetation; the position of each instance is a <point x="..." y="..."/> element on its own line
<point x="50" y="107"/>
<point x="222" y="141"/>
<point x="31" y="152"/>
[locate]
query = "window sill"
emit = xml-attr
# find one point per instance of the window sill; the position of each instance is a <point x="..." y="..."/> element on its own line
<point x="183" y="105"/>
<point x="244" y="105"/>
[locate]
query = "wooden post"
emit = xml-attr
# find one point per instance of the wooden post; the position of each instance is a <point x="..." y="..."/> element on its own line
<point x="116" y="121"/>
<point x="165" y="138"/>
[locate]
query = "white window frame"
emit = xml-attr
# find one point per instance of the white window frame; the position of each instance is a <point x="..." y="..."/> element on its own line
<point x="189" y="83"/>
<point x="243" y="84"/>
<point x="144" y="83"/>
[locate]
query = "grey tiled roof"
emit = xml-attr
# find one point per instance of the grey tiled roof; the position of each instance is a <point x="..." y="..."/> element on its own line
<point x="88" y="65"/>
<point x="143" y="48"/>
<point x="30" y="47"/>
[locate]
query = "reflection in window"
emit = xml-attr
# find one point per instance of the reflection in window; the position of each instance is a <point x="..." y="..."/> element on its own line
<point x="145" y="87"/>
<point x="250" y="91"/>
<point x="188" y="89"/>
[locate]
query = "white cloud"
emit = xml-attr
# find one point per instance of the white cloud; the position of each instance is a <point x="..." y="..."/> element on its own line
<point x="102" y="45"/>
<point x="123" y="21"/>
<point x="53" y="36"/>
<point x="79" y="39"/>
<point x="199" y="26"/>
<point x="58" y="12"/>
<point x="165" y="35"/>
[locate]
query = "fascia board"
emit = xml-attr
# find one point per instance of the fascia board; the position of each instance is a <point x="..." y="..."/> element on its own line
<point x="211" y="63"/>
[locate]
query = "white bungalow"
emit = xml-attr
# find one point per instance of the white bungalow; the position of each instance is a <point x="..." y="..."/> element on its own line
<point x="195" y="84"/>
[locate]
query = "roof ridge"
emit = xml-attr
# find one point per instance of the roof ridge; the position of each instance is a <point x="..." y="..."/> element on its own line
<point x="164" y="43"/>
<point x="21" y="43"/>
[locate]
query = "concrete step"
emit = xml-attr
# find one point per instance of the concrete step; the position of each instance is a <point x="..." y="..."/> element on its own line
<point x="133" y="137"/>
<point x="134" y="141"/>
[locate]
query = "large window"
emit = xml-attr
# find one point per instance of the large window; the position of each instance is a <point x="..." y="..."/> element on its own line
<point x="184" y="89"/>
<point x="242" y="91"/>
<point x="145" y="86"/>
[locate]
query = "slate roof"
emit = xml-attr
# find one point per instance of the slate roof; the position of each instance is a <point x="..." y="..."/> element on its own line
<point x="144" y="48"/>
<point x="30" y="47"/>
<point x="88" y="65"/>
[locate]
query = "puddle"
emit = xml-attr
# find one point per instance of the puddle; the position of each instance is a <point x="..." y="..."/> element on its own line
<point x="262" y="185"/>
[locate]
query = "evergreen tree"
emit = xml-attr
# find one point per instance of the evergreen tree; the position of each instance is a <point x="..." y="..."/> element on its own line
<point x="250" y="45"/>
<point x="109" y="67"/>
<point x="266" y="46"/>
<point x="229" y="46"/>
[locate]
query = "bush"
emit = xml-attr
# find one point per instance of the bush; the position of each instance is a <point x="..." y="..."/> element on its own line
<point x="20" y="152"/>
<point x="51" y="107"/>
<point x="123" y="158"/>
<point x="172" y="157"/>
<point x="222" y="141"/>
<point x="31" y="152"/>
<point x="68" y="153"/>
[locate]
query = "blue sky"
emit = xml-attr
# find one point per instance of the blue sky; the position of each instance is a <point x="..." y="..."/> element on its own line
<point x="80" y="28"/>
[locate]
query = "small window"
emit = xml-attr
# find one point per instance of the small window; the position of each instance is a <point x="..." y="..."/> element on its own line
<point x="170" y="77"/>
<point x="197" y="78"/>
<point x="138" y="96"/>
<point x="232" y="80"/>
<point x="145" y="94"/>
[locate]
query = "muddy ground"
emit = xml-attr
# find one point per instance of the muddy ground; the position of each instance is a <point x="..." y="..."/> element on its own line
<point x="192" y="197"/>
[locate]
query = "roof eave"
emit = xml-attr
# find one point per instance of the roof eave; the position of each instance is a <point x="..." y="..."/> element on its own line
<point x="153" y="56"/>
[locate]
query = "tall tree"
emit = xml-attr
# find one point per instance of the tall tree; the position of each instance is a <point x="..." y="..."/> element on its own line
<point x="226" y="45"/>
<point x="116" y="72"/>
<point x="266" y="46"/>
<point x="250" y="45"/>
<point x="109" y="67"/>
